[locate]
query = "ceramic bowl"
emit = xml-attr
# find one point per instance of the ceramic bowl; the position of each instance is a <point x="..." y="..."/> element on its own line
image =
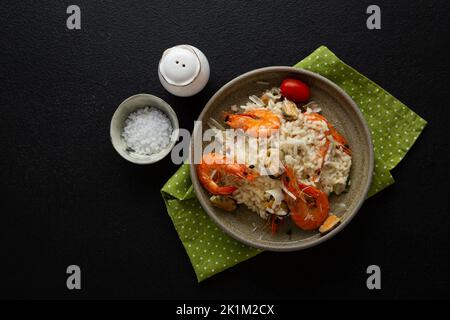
<point x="130" y="105"/>
<point x="245" y="225"/>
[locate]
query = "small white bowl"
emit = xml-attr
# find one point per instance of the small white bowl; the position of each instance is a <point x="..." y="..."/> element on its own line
<point x="130" y="105"/>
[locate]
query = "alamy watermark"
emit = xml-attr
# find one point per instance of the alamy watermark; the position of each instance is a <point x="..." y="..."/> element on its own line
<point x="73" y="22"/>
<point x="237" y="146"/>
<point x="74" y="279"/>
<point x="374" y="280"/>
<point x="374" y="20"/>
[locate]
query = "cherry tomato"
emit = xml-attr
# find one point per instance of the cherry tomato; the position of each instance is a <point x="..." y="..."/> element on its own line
<point x="295" y="90"/>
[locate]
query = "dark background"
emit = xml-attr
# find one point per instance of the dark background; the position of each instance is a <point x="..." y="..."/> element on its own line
<point x="68" y="198"/>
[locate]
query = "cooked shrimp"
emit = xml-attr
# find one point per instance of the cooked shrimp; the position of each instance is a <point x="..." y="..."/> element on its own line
<point x="337" y="137"/>
<point x="214" y="166"/>
<point x="310" y="207"/>
<point x="256" y="123"/>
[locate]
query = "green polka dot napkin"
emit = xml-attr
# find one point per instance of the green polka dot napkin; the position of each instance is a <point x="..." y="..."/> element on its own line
<point x="394" y="130"/>
<point x="394" y="126"/>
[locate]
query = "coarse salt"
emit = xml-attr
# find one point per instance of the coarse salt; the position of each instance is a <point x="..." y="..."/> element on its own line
<point x="147" y="131"/>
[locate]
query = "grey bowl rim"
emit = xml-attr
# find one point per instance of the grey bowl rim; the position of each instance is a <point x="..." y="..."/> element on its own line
<point x="175" y="128"/>
<point x="295" y="246"/>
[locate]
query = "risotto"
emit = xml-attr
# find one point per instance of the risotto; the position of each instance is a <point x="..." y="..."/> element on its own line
<point x="286" y="160"/>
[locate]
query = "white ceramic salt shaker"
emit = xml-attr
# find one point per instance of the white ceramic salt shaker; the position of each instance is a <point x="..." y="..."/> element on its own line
<point x="183" y="70"/>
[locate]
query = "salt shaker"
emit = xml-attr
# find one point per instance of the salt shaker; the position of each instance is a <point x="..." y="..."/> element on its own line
<point x="183" y="70"/>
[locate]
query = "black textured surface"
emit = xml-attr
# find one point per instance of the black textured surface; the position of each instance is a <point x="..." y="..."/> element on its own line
<point x="70" y="199"/>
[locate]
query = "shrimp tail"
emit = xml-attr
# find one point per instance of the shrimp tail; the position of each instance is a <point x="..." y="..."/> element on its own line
<point x="225" y="190"/>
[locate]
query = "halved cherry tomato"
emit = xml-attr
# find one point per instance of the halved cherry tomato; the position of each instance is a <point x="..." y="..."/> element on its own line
<point x="295" y="90"/>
